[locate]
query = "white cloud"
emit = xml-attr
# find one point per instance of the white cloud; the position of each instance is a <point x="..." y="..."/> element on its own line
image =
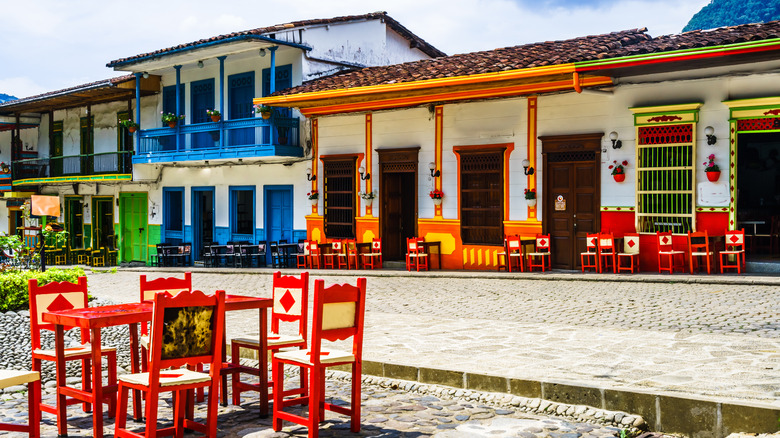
<point x="21" y="87"/>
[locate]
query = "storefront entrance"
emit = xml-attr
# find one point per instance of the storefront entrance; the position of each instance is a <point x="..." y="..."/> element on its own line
<point x="398" y="200"/>
<point x="758" y="191"/>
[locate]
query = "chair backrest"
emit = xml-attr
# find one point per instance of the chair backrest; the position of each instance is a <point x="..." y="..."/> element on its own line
<point x="664" y="240"/>
<point x="350" y="246"/>
<point x="542" y="243"/>
<point x="187" y="249"/>
<point x="698" y="241"/>
<point x="50" y="297"/>
<point x="336" y="246"/>
<point x="591" y="242"/>
<point x="291" y="301"/>
<point x="412" y="245"/>
<point x="376" y="245"/>
<point x="338" y="314"/>
<point x="303" y="247"/>
<point x="261" y="248"/>
<point x="631" y="243"/>
<point x="513" y="244"/>
<point x="735" y="240"/>
<point x="606" y="243"/>
<point x="170" y="284"/>
<point x="186" y="330"/>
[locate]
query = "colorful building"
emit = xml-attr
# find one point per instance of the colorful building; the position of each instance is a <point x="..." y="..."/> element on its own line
<point x="556" y="119"/>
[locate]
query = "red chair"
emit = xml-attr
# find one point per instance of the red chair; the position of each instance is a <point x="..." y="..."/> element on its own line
<point x="187" y="331"/>
<point x="315" y="254"/>
<point x="541" y="253"/>
<point x="304" y="261"/>
<point x="291" y="303"/>
<point x="735" y="247"/>
<point x="351" y="252"/>
<point x="149" y="288"/>
<point x="415" y="254"/>
<point x="338" y="314"/>
<point x="699" y="247"/>
<point x="667" y="252"/>
<point x="10" y="378"/>
<point x="331" y="259"/>
<point x="371" y="258"/>
<point x="512" y="254"/>
<point x="630" y="254"/>
<point x="590" y="257"/>
<point x="607" y="253"/>
<point x="64" y="296"/>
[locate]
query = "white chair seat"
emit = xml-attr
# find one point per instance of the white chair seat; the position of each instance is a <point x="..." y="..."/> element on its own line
<point x="702" y="253"/>
<point x="628" y="254"/>
<point x="326" y="356"/>
<point x="179" y="376"/>
<point x="732" y="252"/>
<point x="15" y="377"/>
<point x="419" y="254"/>
<point x="144" y="341"/>
<point x="274" y="340"/>
<point x="539" y="253"/>
<point x="69" y="352"/>
<point x="589" y="253"/>
<point x="671" y="252"/>
<point x="373" y="254"/>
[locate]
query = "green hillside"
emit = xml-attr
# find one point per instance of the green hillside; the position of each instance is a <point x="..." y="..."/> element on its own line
<point x="6" y="97"/>
<point x="732" y="12"/>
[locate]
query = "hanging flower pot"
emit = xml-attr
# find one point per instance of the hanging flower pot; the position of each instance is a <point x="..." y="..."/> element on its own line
<point x="369" y="202"/>
<point x="172" y="124"/>
<point x="619" y="177"/>
<point x="713" y="176"/>
<point x="437" y="201"/>
<point x="531" y="202"/>
<point x="216" y="118"/>
<point x="314" y="201"/>
<point x="131" y="129"/>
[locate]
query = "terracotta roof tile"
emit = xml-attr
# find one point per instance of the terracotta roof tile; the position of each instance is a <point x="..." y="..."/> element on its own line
<point x="105" y="83"/>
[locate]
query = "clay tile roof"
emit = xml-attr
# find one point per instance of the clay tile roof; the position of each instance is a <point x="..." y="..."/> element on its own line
<point x="105" y="83"/>
<point x="507" y="58"/>
<point x="588" y="48"/>
<point x="414" y="40"/>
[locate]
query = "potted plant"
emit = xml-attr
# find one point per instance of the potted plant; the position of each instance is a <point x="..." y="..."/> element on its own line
<point x="130" y="125"/>
<point x="437" y="196"/>
<point x="368" y="197"/>
<point x="170" y="118"/>
<point x="264" y="111"/>
<point x="314" y="197"/>
<point x="5" y="168"/>
<point x="618" y="172"/>
<point x="530" y="197"/>
<point x="214" y="114"/>
<point x="711" y="169"/>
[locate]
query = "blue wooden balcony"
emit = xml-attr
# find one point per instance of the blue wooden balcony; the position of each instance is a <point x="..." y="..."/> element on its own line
<point x="104" y="166"/>
<point x="226" y="139"/>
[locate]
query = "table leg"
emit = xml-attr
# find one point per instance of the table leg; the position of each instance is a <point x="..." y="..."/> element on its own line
<point x="135" y="368"/>
<point x="97" y="385"/>
<point x="62" y="407"/>
<point x="263" y="363"/>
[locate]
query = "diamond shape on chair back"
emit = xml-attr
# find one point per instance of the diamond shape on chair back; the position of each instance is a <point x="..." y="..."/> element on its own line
<point x="664" y="241"/>
<point x="291" y="300"/>
<point x="51" y="297"/>
<point x="287" y="301"/>
<point x="631" y="244"/>
<point x="735" y="237"/>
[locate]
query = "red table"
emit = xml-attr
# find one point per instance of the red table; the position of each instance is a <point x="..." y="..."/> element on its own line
<point x="95" y="318"/>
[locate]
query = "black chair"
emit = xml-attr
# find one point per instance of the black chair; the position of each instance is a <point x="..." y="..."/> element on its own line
<point x="156" y="258"/>
<point x="209" y="255"/>
<point x="248" y="256"/>
<point x="261" y="253"/>
<point x="277" y="258"/>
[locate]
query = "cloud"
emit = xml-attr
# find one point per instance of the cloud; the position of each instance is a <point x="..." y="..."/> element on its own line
<point x="21" y="87"/>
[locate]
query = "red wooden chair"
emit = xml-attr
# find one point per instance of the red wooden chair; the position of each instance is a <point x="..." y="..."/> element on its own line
<point x="315" y="254"/>
<point x="667" y="252"/>
<point x="291" y="301"/>
<point x="331" y="259"/>
<point x="10" y="378"/>
<point x="415" y="254"/>
<point x="64" y="296"/>
<point x="304" y="261"/>
<point x="149" y="288"/>
<point x="512" y="254"/>
<point x="699" y="248"/>
<point x="735" y="247"/>
<point x="187" y="331"/>
<point x="541" y="253"/>
<point x="350" y="254"/>
<point x="630" y="254"/>
<point x="375" y="256"/>
<point x="607" y="253"/>
<point x="590" y="257"/>
<point x="338" y="315"/>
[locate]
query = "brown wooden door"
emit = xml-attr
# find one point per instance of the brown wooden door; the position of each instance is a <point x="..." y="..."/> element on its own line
<point x="398" y="200"/>
<point x="571" y="195"/>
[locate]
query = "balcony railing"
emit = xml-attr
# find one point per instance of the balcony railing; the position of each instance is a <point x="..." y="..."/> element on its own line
<point x="68" y="165"/>
<point x="224" y="139"/>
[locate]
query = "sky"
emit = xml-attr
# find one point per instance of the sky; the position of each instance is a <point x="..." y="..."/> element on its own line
<point x="48" y="45"/>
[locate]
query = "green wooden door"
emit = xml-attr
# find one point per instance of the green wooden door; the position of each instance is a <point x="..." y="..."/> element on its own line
<point x="133" y="224"/>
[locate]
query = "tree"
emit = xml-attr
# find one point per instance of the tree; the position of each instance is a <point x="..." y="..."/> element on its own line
<point x="733" y="12"/>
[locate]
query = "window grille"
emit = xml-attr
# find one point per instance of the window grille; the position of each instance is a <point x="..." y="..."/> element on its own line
<point x="339" y="198"/>
<point x="482" y="197"/>
<point x="666" y="178"/>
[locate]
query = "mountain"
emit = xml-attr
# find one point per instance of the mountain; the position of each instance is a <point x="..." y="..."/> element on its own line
<point x="732" y="12"/>
<point x="6" y="97"/>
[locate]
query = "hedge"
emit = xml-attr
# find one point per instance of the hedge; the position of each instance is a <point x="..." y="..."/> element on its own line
<point x="13" y="285"/>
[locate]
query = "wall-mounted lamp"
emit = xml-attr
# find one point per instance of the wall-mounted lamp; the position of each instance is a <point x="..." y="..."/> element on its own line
<point x="435" y="173"/>
<point x="616" y="144"/>
<point x="710" y="133"/>
<point x="146" y="75"/>
<point x="527" y="169"/>
<point x="262" y="53"/>
<point x="363" y="175"/>
<point x="200" y="64"/>
<point x="309" y="176"/>
<point x="153" y="210"/>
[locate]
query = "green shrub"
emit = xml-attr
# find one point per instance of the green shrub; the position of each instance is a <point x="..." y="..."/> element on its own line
<point x="13" y="285"/>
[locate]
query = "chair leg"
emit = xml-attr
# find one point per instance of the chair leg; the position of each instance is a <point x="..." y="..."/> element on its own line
<point x="356" y="391"/>
<point x="315" y="397"/>
<point x="34" y="413"/>
<point x="121" y="412"/>
<point x="277" y="370"/>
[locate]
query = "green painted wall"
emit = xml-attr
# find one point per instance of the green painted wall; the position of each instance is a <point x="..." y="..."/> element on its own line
<point x="154" y="237"/>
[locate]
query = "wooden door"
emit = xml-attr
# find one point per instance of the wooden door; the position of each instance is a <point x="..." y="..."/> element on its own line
<point x="571" y="195"/>
<point x="398" y="200"/>
<point x="202" y="99"/>
<point x="202" y="219"/>
<point x="133" y="225"/>
<point x="241" y="91"/>
<point x="278" y="214"/>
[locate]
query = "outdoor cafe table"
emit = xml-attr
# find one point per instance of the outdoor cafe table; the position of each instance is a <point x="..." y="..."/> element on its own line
<point x="95" y="318"/>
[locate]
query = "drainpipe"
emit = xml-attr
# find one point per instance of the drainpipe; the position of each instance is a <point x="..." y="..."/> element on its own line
<point x="222" y="100"/>
<point x="576" y="80"/>
<point x="137" y="134"/>
<point x="178" y="106"/>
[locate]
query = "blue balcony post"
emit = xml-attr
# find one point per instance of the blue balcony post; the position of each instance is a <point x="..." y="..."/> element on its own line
<point x="178" y="106"/>
<point x="272" y="86"/>
<point x="138" y="77"/>
<point x="222" y="100"/>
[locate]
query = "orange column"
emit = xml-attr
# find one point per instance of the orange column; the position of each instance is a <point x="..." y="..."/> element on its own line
<point x="369" y="159"/>
<point x="314" y="151"/>
<point x="438" y="152"/>
<point x="532" y="151"/>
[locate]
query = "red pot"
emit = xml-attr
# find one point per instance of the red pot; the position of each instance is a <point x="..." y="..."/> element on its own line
<point x="713" y="176"/>
<point x="172" y="124"/>
<point x="215" y="118"/>
<point x="619" y="177"/>
<point x="131" y="129"/>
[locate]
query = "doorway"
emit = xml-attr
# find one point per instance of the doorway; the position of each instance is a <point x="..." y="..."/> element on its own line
<point x="74" y="221"/>
<point x="398" y="196"/>
<point x="102" y="223"/>
<point x="15" y="221"/>
<point x="202" y="219"/>
<point x="758" y="187"/>
<point x="278" y="214"/>
<point x="133" y="223"/>
<point x="571" y="194"/>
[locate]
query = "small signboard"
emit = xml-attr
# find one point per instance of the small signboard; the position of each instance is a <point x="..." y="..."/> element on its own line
<point x="560" y="203"/>
<point x="41" y="205"/>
